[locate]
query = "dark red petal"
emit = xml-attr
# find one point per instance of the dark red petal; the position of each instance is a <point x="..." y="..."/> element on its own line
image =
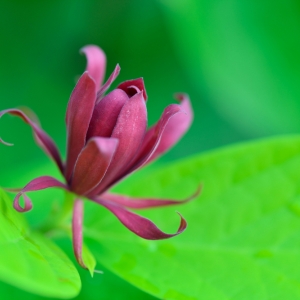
<point x="36" y="184"/>
<point x="42" y="138"/>
<point x="79" y="113"/>
<point x="108" y="83"/>
<point x="77" y="221"/>
<point x="137" y="224"/>
<point x="106" y="113"/>
<point x="140" y="203"/>
<point x="129" y="87"/>
<point x="129" y="130"/>
<point x="92" y="164"/>
<point x="96" y="63"/>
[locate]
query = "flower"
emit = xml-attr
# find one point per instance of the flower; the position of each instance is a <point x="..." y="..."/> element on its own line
<point x="107" y="139"/>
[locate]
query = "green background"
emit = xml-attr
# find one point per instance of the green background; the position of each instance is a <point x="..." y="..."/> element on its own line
<point x="238" y="61"/>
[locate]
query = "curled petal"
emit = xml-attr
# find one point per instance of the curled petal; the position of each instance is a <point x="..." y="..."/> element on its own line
<point x="96" y="63"/>
<point x="92" y="164"/>
<point x="129" y="130"/>
<point x="137" y="224"/>
<point x="77" y="221"/>
<point x="79" y="114"/>
<point x="131" y="87"/>
<point x="27" y="204"/>
<point x="108" y="83"/>
<point x="42" y="138"/>
<point x="141" y="203"/>
<point x="36" y="184"/>
<point x="106" y="113"/>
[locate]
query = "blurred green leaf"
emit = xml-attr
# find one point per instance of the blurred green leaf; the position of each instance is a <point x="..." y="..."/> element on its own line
<point x="88" y="259"/>
<point x="244" y="55"/>
<point x="242" y="241"/>
<point x="32" y="262"/>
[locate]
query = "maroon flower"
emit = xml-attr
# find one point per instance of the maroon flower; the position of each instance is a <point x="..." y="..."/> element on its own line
<point x="107" y="140"/>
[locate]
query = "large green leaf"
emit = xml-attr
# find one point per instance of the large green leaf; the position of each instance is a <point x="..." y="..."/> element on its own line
<point x="243" y="238"/>
<point x="104" y="286"/>
<point x="30" y="261"/>
<point x="244" y="55"/>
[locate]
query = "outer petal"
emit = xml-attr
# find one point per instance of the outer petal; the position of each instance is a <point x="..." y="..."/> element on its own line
<point x="139" y="225"/>
<point x="42" y="138"/>
<point x="176" y="127"/>
<point x="79" y="114"/>
<point x="129" y="87"/>
<point x="108" y="83"/>
<point x="92" y="164"/>
<point x="106" y="113"/>
<point x="141" y="203"/>
<point x="77" y="221"/>
<point x="174" y="122"/>
<point x="36" y="184"/>
<point x="129" y="130"/>
<point x="96" y="63"/>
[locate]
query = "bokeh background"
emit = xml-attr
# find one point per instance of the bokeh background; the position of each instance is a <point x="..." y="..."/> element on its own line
<point x="238" y="61"/>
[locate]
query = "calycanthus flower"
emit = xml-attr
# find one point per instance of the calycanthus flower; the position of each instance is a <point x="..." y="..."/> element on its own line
<point x="107" y="139"/>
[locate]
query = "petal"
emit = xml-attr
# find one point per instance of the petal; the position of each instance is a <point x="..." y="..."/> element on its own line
<point x="79" y="114"/>
<point x="108" y="83"/>
<point x="129" y="130"/>
<point x="137" y="224"/>
<point x="96" y="63"/>
<point x="141" y="203"/>
<point x="106" y="113"/>
<point x="174" y="122"/>
<point x="36" y="184"/>
<point x="77" y="221"/>
<point x="129" y="87"/>
<point x="92" y="164"/>
<point x="42" y="138"/>
<point x="176" y="127"/>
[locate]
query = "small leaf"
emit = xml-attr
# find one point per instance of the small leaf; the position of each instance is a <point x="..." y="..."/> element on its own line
<point x="88" y="259"/>
<point x="31" y="262"/>
<point x="243" y="235"/>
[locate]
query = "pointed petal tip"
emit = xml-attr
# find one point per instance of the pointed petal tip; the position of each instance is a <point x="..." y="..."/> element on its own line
<point x="96" y="63"/>
<point x="181" y="96"/>
<point x="5" y="143"/>
<point x="182" y="226"/>
<point x="87" y="48"/>
<point x="108" y="83"/>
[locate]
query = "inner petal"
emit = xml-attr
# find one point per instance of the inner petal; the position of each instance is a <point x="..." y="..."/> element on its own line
<point x="106" y="113"/>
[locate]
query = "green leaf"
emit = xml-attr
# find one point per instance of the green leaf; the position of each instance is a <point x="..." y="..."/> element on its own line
<point x="241" y="58"/>
<point x="101" y="287"/>
<point x="30" y="261"/>
<point x="242" y="241"/>
<point x="88" y="259"/>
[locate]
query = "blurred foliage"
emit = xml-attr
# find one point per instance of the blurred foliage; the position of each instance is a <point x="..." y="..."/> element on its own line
<point x="245" y="56"/>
